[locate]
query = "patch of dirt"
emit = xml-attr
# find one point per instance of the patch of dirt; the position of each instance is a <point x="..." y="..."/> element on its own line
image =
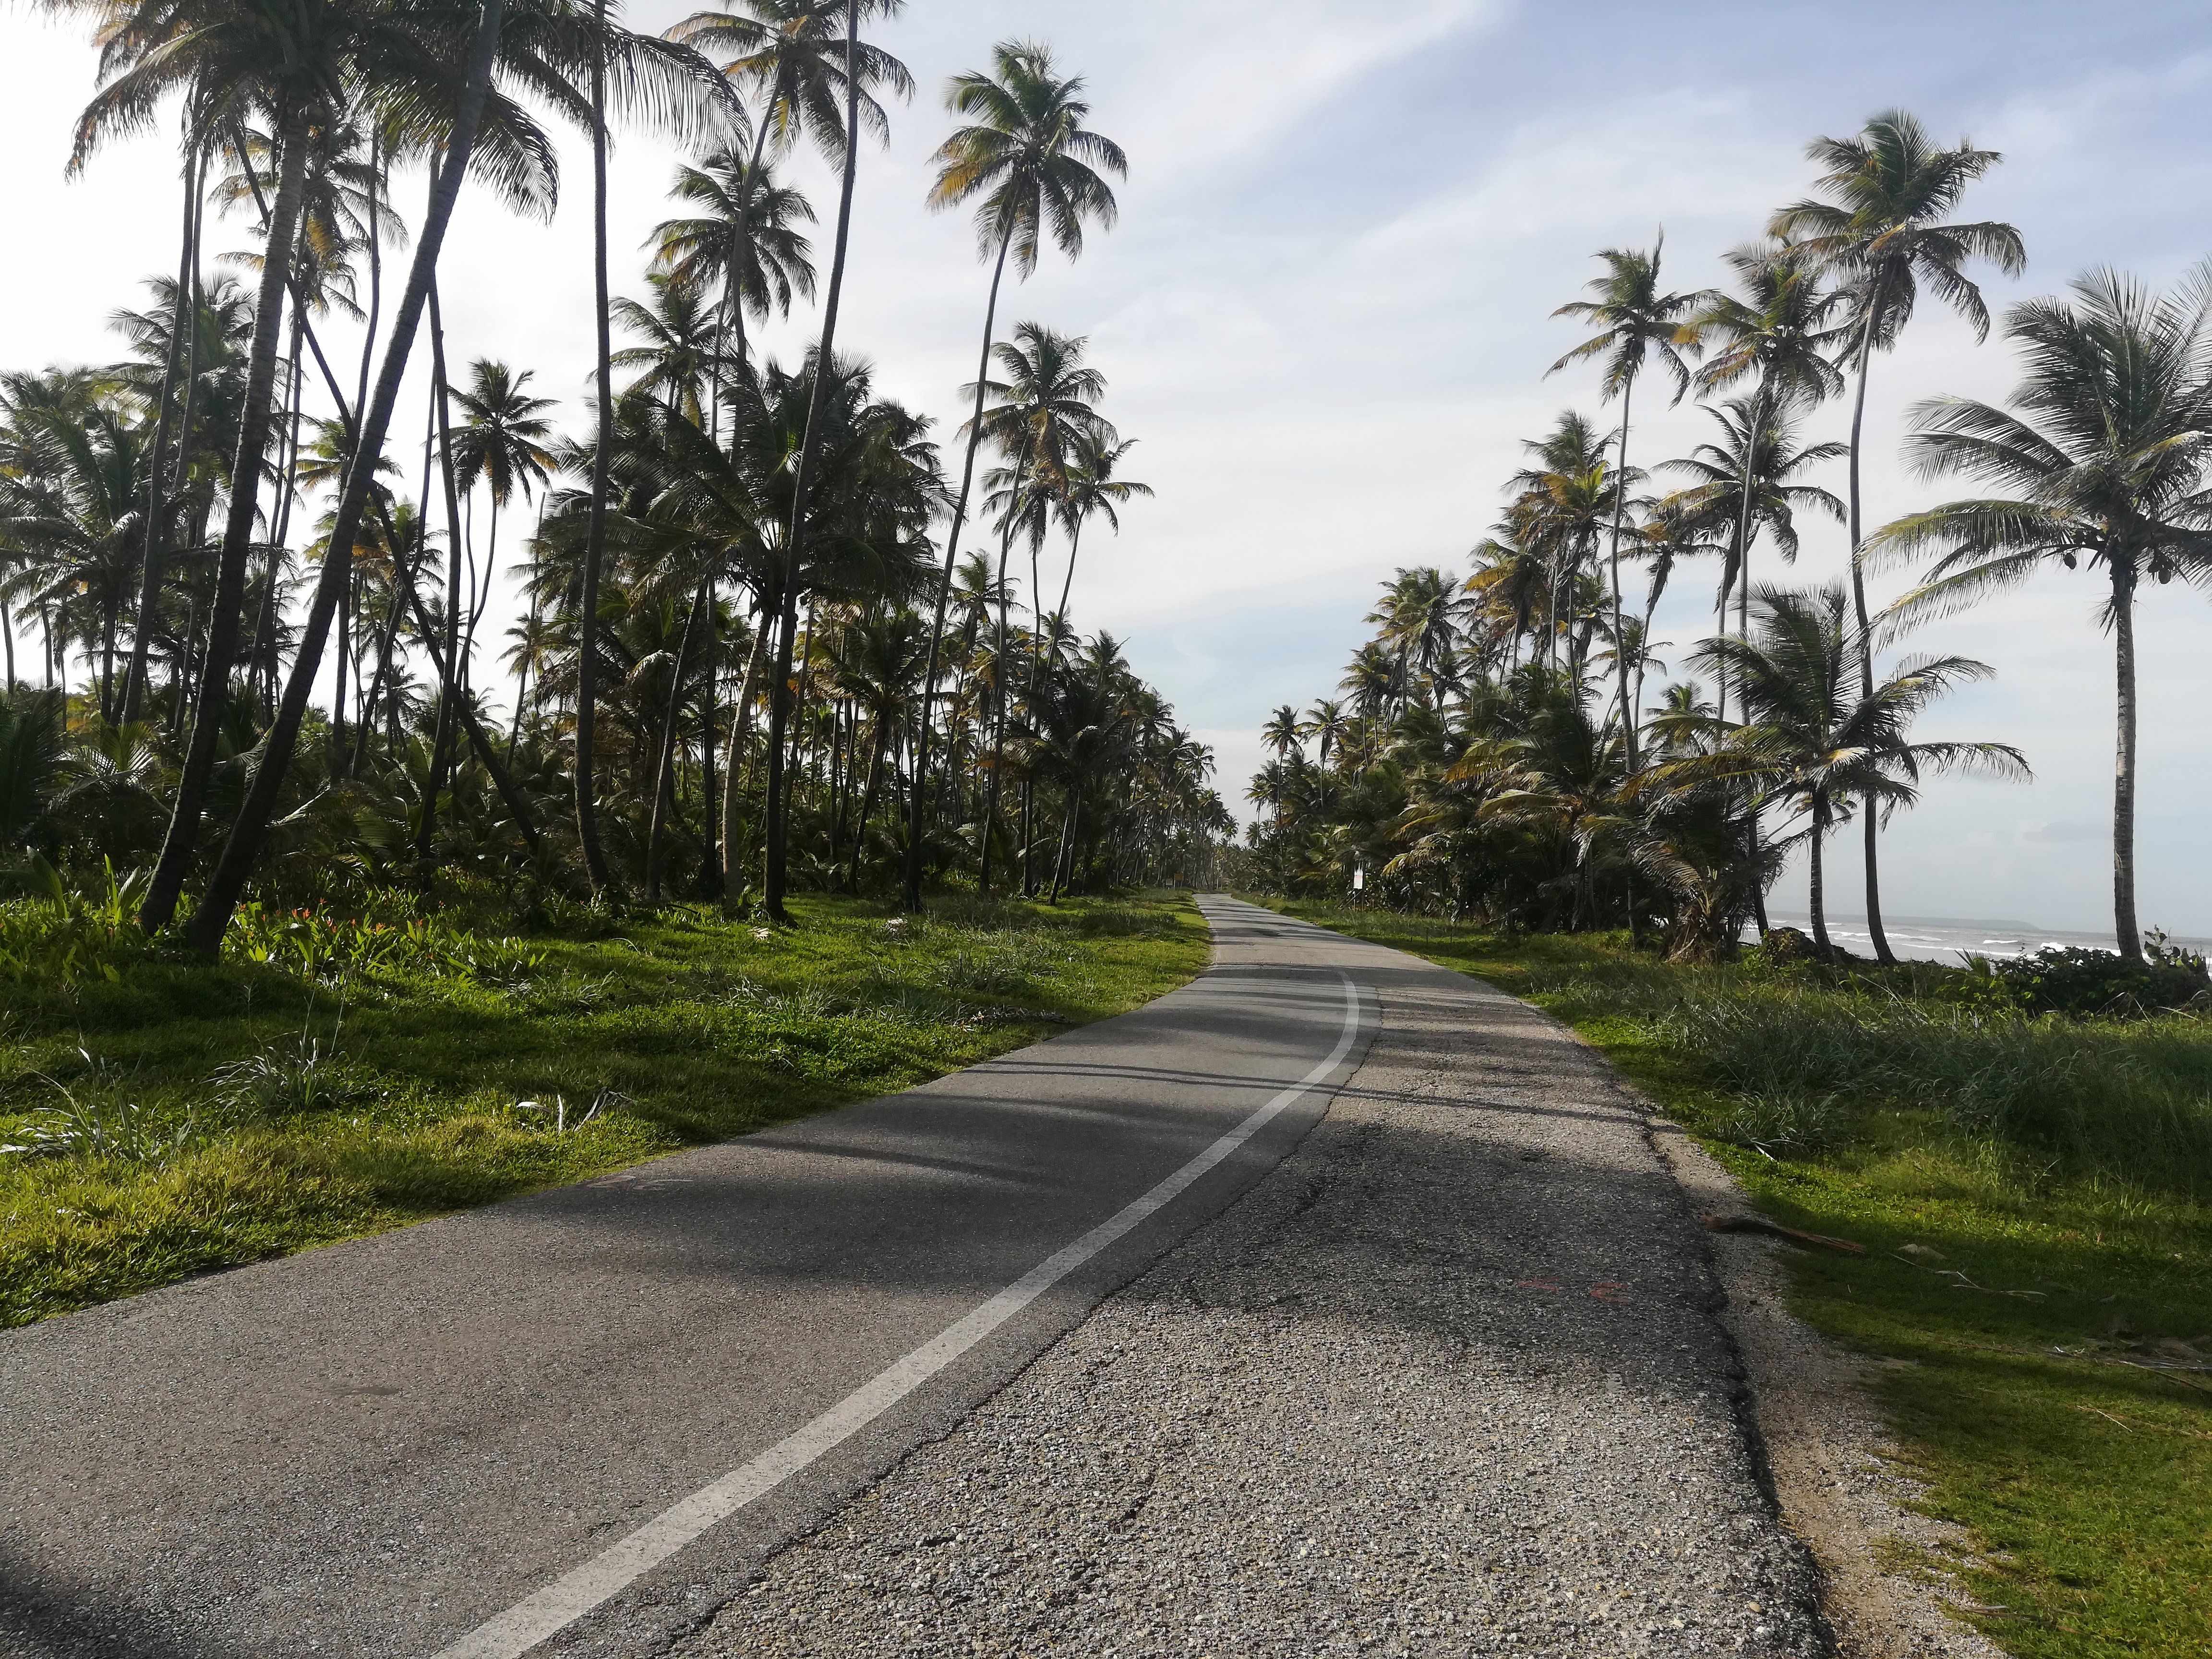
<point x="1885" y="1586"/>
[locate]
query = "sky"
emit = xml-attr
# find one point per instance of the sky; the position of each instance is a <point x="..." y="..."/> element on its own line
<point x="1324" y="315"/>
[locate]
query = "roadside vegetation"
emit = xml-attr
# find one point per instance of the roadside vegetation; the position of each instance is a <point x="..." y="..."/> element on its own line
<point x="342" y="1070"/>
<point x="2035" y="1188"/>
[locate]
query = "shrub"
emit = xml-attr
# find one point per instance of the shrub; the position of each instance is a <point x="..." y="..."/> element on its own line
<point x="2080" y="982"/>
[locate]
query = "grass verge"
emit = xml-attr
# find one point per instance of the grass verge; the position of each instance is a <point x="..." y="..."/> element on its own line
<point x="2033" y="1195"/>
<point x="337" y="1076"/>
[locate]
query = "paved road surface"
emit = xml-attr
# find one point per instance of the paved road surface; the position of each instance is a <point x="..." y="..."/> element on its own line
<point x="1444" y="1380"/>
<point x="374" y="1448"/>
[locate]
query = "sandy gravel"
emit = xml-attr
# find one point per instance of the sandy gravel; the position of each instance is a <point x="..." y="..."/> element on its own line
<point x="1449" y="1380"/>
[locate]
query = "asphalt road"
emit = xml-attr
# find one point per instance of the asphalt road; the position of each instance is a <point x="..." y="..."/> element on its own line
<point x="588" y="1416"/>
<point x="1448" y="1380"/>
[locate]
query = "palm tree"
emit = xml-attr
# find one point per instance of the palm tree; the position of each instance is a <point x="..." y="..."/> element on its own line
<point x="1283" y="733"/>
<point x="1811" y="739"/>
<point x="1636" y="322"/>
<point x="1775" y="335"/>
<point x="1418" y="618"/>
<point x="1089" y="490"/>
<point x="229" y="61"/>
<point x="742" y="243"/>
<point x="811" y="77"/>
<point x="482" y="42"/>
<point x="874" y="662"/>
<point x="1027" y="153"/>
<point x="802" y="71"/>
<point x="182" y="303"/>
<point x="501" y="443"/>
<point x="680" y="353"/>
<point x="2105" y="459"/>
<point x="1884" y="232"/>
<point x="1771" y="459"/>
<point x="1327" y="723"/>
<point x="1046" y="400"/>
<point x="69" y="500"/>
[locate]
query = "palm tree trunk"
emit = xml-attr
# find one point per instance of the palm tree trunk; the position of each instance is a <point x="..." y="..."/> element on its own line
<point x="912" y="896"/>
<point x="251" y="825"/>
<point x="1059" y="863"/>
<point x="182" y="843"/>
<point x="402" y="569"/>
<point x="664" y="761"/>
<point x="468" y="653"/>
<point x="1619" y="641"/>
<point x="733" y="856"/>
<point x="2127" y="934"/>
<point x="595" y="539"/>
<point x="265" y="629"/>
<point x="1819" y="890"/>
<point x="449" y="689"/>
<point x="1067" y="584"/>
<point x="779" y="691"/>
<point x="1873" y="831"/>
<point x="182" y="321"/>
<point x="868" y="796"/>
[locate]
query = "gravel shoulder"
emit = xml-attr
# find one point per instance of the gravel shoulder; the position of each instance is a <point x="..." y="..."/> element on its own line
<point x="1451" y="1379"/>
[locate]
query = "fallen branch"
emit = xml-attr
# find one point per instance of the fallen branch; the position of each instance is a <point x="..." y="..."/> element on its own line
<point x="1752" y="1224"/>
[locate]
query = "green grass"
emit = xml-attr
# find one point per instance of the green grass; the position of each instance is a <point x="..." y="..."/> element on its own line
<point x="2070" y="1161"/>
<point x="179" y="1116"/>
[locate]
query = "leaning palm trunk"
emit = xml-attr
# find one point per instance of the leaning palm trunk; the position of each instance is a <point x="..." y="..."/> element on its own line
<point x="1061" y="868"/>
<point x="2125" y="927"/>
<point x="449" y="672"/>
<point x="595" y="537"/>
<point x="779" y="691"/>
<point x="183" y="317"/>
<point x="916" y="817"/>
<point x="741" y="719"/>
<point x="1619" y="641"/>
<point x="224" y="615"/>
<point x="251" y="826"/>
<point x="663" y="779"/>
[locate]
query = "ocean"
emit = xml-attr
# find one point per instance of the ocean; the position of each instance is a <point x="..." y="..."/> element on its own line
<point x="1949" y="939"/>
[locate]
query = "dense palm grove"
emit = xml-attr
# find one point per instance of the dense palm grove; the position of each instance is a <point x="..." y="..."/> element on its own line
<point x="1498" y="748"/>
<point x="778" y="630"/>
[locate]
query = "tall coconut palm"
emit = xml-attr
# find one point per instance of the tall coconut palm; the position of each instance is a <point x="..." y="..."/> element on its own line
<point x="1049" y="397"/>
<point x="1327" y="724"/>
<point x="1087" y="489"/>
<point x="679" y="347"/>
<point x="1636" y="322"/>
<point x="150" y="587"/>
<point x="1769" y="456"/>
<point x="502" y="445"/>
<point x="741" y="244"/>
<point x="1026" y="152"/>
<point x="229" y="62"/>
<point x="2104" y="455"/>
<point x="1812" y="739"/>
<point x="801" y="71"/>
<point x="1884" y="231"/>
<point x="475" y="42"/>
<point x="1776" y="335"/>
<point x="1418" y="617"/>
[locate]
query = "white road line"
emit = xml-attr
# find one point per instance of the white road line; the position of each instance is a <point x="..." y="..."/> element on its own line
<point x="575" y="1593"/>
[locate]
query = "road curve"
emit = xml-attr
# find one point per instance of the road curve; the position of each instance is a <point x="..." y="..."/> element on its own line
<point x="569" y="1412"/>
